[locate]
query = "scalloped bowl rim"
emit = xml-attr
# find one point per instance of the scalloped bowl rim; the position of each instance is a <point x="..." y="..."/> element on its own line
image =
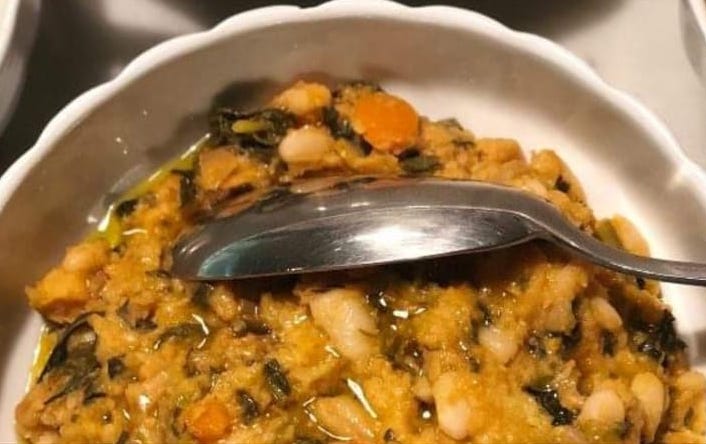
<point x="73" y="113"/>
<point x="76" y="111"/>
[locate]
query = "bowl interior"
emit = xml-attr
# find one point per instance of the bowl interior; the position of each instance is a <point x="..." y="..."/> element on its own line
<point x="446" y="62"/>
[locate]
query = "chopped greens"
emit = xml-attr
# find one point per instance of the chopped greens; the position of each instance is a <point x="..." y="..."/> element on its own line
<point x="414" y="162"/>
<point x="548" y="398"/>
<point x="242" y="327"/>
<point x="73" y="359"/>
<point x="562" y="185"/>
<point x="341" y="128"/>
<point x="657" y="340"/>
<point x="249" y="409"/>
<point x="405" y="354"/>
<point x="609" y="342"/>
<point x="115" y="367"/>
<point x="276" y="380"/>
<point x="187" y="186"/>
<point x="61" y="352"/>
<point x="251" y="130"/>
<point x="126" y="207"/>
<point x="186" y="331"/>
<point x="337" y="125"/>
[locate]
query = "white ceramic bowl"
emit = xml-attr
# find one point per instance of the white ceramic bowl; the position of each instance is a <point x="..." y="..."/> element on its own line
<point x="693" y="19"/>
<point x="447" y="61"/>
<point x="18" y="19"/>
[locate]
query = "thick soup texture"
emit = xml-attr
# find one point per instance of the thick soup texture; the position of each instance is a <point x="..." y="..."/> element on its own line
<point x="525" y="345"/>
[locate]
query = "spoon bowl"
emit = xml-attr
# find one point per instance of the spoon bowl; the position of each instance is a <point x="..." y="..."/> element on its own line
<point x="339" y="223"/>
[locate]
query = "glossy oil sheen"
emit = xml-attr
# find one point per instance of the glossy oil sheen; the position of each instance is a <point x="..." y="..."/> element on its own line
<point x="447" y="61"/>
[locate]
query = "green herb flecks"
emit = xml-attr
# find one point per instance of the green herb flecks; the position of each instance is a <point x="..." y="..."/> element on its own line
<point x="276" y="380"/>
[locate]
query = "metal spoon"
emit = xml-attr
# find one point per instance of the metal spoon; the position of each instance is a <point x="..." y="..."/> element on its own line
<point x="338" y="223"/>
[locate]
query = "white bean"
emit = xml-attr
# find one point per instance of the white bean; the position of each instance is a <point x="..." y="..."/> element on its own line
<point x="344" y="417"/>
<point x="603" y="406"/>
<point x="452" y="409"/>
<point x="303" y="98"/>
<point x="604" y="313"/>
<point x="649" y="390"/>
<point x="308" y="144"/>
<point x="344" y="315"/>
<point x="559" y="316"/>
<point x="501" y="344"/>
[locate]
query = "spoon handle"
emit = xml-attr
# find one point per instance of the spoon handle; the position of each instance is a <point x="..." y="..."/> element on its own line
<point x="679" y="272"/>
<point x="691" y="273"/>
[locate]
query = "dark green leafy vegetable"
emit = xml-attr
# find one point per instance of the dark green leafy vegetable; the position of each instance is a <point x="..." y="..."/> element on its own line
<point x="379" y="299"/>
<point x="571" y="340"/>
<point x="337" y="125"/>
<point x="92" y="393"/>
<point x="462" y="138"/>
<point x="242" y="327"/>
<point x="60" y="354"/>
<point x="187" y="186"/>
<point x="115" y="367"/>
<point x="276" y="380"/>
<point x="232" y="193"/>
<point x="413" y="161"/>
<point x="562" y="185"/>
<point x="657" y="340"/>
<point x="548" y="398"/>
<point x="145" y="324"/>
<point x="249" y="409"/>
<point x="404" y="354"/>
<point x="126" y="207"/>
<point x="609" y="343"/>
<point x="73" y="359"/>
<point x="193" y="332"/>
<point x="251" y="130"/>
<point x="341" y="128"/>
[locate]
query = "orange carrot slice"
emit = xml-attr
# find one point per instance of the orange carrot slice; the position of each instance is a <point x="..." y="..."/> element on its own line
<point x="208" y="420"/>
<point x="387" y="122"/>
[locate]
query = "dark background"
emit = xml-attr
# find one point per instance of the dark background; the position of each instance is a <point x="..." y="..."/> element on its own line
<point x="82" y="43"/>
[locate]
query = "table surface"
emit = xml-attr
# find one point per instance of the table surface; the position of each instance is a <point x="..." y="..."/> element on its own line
<point x="635" y="45"/>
